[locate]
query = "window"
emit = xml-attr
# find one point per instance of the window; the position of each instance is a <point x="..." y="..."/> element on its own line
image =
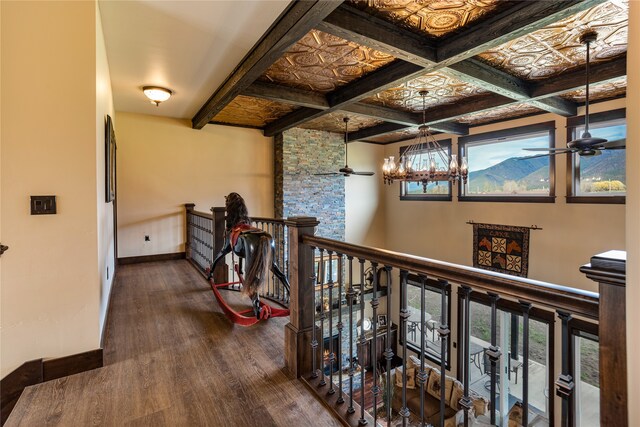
<point x="432" y="315"/>
<point x="433" y="190"/>
<point x="601" y="178"/>
<point x="585" y="352"/>
<point x="500" y="170"/>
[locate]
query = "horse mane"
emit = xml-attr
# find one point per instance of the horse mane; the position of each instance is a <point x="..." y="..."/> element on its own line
<point x="236" y="211"/>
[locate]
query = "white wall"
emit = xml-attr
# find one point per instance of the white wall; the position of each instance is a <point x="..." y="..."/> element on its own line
<point x="163" y="163"/>
<point x="570" y="235"/>
<point x="364" y="197"/>
<point x="50" y="289"/>
<point x="633" y="211"/>
<point x="104" y="106"/>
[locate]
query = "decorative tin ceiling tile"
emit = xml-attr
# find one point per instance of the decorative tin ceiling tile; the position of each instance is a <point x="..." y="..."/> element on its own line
<point x="322" y="62"/>
<point x="502" y="113"/>
<point x="557" y="49"/>
<point x="333" y="122"/>
<point x="400" y="135"/>
<point x="602" y="91"/>
<point x="249" y="111"/>
<point x="432" y="17"/>
<point x="442" y="90"/>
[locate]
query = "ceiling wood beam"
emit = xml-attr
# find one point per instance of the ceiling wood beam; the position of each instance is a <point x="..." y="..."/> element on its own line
<point x="360" y="27"/>
<point x="376" y="130"/>
<point x="288" y="95"/>
<point x="598" y="73"/>
<point x="523" y="18"/>
<point x="296" y="21"/>
<point x="384" y="113"/>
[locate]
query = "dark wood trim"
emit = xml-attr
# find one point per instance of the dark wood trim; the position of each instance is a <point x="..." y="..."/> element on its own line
<point x="234" y="125"/>
<point x="151" y="258"/>
<point x="286" y="94"/>
<point x="12" y="385"/>
<point x="70" y="365"/>
<point x="604" y="116"/>
<point x="385" y="113"/>
<point x="296" y="21"/>
<point x="376" y="130"/>
<point x="596" y="200"/>
<point x="40" y="370"/>
<point x="505" y="133"/>
<point x="508" y="199"/>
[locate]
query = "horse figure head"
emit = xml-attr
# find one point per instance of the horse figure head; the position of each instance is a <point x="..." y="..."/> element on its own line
<point x="236" y="211"/>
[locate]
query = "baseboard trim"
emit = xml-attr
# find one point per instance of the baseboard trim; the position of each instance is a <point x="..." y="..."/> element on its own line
<point x="40" y="370"/>
<point x="151" y="258"/>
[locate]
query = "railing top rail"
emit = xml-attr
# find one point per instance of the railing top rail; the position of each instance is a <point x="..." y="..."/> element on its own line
<point x="271" y="220"/>
<point x="201" y="214"/>
<point x="576" y="301"/>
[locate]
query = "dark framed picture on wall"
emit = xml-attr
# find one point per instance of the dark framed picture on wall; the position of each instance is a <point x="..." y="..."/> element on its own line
<point x="110" y="160"/>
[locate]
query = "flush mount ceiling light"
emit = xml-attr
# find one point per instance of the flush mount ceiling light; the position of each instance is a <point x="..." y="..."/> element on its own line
<point x="157" y="94"/>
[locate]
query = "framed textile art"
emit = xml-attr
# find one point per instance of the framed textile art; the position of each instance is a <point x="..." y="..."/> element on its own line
<point x="501" y="248"/>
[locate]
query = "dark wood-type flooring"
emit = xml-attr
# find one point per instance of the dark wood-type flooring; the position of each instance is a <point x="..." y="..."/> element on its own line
<point x="172" y="358"/>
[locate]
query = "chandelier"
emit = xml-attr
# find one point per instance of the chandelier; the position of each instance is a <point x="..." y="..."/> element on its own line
<point x="425" y="160"/>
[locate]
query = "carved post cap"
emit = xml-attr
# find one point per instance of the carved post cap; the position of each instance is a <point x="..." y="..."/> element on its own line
<point x="189" y="206"/>
<point x="218" y="209"/>
<point x="607" y="267"/>
<point x="301" y="221"/>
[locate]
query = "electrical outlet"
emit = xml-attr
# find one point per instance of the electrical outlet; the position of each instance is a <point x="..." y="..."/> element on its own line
<point x="147" y="238"/>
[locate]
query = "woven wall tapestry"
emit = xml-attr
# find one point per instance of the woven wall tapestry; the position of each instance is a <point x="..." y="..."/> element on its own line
<point x="501" y="248"/>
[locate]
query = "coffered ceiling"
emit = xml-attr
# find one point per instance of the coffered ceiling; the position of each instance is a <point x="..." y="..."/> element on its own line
<point x="480" y="61"/>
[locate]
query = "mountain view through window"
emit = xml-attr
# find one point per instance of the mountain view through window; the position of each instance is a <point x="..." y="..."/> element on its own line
<point x="503" y="168"/>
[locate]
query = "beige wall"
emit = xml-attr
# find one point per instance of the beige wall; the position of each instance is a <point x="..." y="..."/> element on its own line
<point x="50" y="289"/>
<point x="570" y="235"/>
<point x="364" y="197"/>
<point x="633" y="212"/>
<point x="163" y="163"/>
<point x="104" y="106"/>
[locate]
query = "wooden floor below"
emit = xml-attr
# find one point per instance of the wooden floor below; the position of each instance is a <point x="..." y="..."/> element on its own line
<point x="172" y="358"/>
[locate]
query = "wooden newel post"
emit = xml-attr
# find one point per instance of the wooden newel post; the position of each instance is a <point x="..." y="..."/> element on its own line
<point x="609" y="270"/>
<point x="187" y="247"/>
<point x="221" y="273"/>
<point x="298" y="332"/>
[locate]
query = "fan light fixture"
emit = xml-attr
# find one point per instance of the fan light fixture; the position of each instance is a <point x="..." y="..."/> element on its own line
<point x="157" y="94"/>
<point x="419" y="162"/>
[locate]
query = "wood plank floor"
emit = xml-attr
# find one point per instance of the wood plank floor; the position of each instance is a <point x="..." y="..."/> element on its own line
<point x="172" y="358"/>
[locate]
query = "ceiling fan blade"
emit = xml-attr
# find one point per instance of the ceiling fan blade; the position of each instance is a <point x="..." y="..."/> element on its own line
<point x="545" y="149"/>
<point x="615" y="145"/>
<point x="363" y="173"/>
<point x="555" y="153"/>
<point x="327" y="174"/>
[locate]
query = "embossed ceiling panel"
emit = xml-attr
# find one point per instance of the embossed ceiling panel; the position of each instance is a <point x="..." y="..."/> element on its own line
<point x="557" y="49"/>
<point x="442" y="90"/>
<point x="400" y="135"/>
<point x="333" y="122"/>
<point x="322" y="62"/>
<point x="249" y="111"/>
<point x="433" y="17"/>
<point x="503" y="113"/>
<point x="602" y="91"/>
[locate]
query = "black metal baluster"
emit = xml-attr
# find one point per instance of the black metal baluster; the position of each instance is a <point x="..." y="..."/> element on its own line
<point x="404" y="315"/>
<point x="332" y="355"/>
<point x="565" y="384"/>
<point x="526" y="307"/>
<point x="444" y="332"/>
<point x="422" y="375"/>
<point x="388" y="352"/>
<point x="363" y="342"/>
<point x="314" y="338"/>
<point x="375" y="390"/>
<point x="493" y="353"/>
<point x="350" y="296"/>
<point x="339" y="327"/>
<point x="323" y="381"/>
<point x="466" y="401"/>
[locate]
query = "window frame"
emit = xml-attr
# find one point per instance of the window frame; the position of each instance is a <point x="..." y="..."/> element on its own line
<point x="573" y="167"/>
<point x="549" y="126"/>
<point x="584" y="329"/>
<point x="447" y="145"/>
<point x="433" y="286"/>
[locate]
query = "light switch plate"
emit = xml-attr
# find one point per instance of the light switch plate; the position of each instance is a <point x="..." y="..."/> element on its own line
<point x="43" y="205"/>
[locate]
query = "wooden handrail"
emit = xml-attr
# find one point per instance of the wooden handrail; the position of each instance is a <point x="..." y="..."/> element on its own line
<point x="269" y="220"/>
<point x="576" y="301"/>
<point x="201" y="214"/>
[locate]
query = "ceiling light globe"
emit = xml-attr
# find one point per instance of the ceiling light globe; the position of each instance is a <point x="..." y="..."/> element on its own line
<point x="157" y="94"/>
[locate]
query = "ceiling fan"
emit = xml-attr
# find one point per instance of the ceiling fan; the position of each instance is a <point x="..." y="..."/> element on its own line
<point x="346" y="170"/>
<point x="586" y="145"/>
